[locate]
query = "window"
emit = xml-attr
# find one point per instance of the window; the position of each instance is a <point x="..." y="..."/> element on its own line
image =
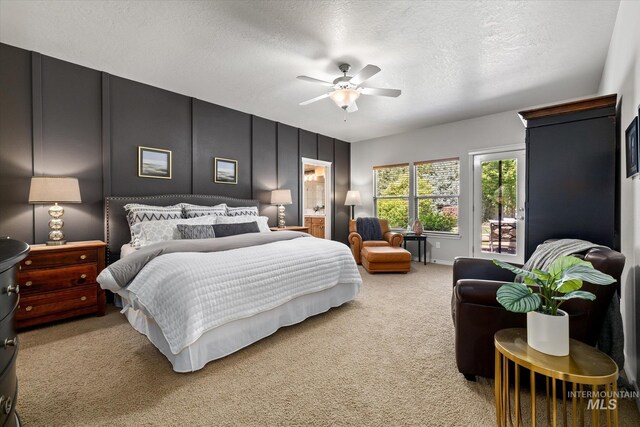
<point x="437" y="192"/>
<point x="433" y="187"/>
<point x="391" y="194"/>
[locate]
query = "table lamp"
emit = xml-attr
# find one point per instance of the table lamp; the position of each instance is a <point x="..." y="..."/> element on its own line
<point x="281" y="198"/>
<point x="352" y="199"/>
<point x="50" y="189"/>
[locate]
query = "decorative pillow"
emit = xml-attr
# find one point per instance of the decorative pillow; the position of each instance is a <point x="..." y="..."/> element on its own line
<point x="196" y="231"/>
<point x="248" y="210"/>
<point x="261" y="220"/>
<point x="194" y="211"/>
<point x="148" y="232"/>
<point x="140" y="213"/>
<point x="224" y="230"/>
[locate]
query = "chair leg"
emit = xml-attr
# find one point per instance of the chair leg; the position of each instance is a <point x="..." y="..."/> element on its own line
<point x="470" y="377"/>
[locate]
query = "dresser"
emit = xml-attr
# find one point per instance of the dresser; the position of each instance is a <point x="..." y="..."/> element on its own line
<point x="315" y="225"/>
<point x="11" y="253"/>
<point x="572" y="168"/>
<point x="58" y="282"/>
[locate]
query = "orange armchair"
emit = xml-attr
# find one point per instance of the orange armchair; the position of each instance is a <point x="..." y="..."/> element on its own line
<point x="389" y="237"/>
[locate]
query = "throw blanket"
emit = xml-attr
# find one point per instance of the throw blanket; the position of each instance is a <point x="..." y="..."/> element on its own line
<point x="188" y="292"/>
<point x="611" y="336"/>
<point x="369" y="228"/>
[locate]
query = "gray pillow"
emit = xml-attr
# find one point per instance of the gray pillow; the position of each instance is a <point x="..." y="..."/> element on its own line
<point x="196" y="231"/>
<point x="223" y="230"/>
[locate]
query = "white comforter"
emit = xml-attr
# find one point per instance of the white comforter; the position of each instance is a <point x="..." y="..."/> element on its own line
<point x="190" y="293"/>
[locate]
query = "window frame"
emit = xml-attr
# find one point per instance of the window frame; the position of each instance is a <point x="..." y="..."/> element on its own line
<point x="375" y="190"/>
<point x="413" y="199"/>
<point x="417" y="198"/>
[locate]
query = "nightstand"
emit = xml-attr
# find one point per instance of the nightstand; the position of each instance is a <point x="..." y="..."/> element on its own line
<point x="58" y="282"/>
<point x="291" y="228"/>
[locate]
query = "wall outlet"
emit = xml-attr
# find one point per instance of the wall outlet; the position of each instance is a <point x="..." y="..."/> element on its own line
<point x="437" y="245"/>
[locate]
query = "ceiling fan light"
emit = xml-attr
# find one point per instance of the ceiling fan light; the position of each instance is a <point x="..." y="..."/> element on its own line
<point x="344" y="97"/>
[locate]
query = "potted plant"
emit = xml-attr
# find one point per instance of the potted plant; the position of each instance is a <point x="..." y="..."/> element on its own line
<point x="542" y="294"/>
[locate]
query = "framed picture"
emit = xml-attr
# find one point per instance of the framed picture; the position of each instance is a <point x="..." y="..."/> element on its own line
<point x="633" y="150"/>
<point x="225" y="171"/>
<point x="154" y="163"/>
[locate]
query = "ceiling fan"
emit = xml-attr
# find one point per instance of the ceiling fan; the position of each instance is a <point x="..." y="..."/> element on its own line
<point x="346" y="90"/>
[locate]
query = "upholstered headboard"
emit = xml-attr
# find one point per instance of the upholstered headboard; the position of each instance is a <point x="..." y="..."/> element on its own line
<point x="116" y="227"/>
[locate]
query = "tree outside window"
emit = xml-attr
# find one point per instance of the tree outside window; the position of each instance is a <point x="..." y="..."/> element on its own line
<point x="437" y="193"/>
<point x="391" y="194"/>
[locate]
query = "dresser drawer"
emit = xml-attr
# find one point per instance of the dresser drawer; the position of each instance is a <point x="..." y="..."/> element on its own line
<point x="8" y="340"/>
<point x="8" y="296"/>
<point x="8" y="394"/>
<point x="42" y="304"/>
<point x="58" y="258"/>
<point x="51" y="279"/>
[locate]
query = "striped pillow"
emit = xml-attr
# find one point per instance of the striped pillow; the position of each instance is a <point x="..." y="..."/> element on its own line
<point x="194" y="211"/>
<point x="140" y="213"/>
<point x="243" y="211"/>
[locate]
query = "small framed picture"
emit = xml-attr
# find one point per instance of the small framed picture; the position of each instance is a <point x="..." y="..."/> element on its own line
<point x="154" y="163"/>
<point x="633" y="148"/>
<point x="225" y="171"/>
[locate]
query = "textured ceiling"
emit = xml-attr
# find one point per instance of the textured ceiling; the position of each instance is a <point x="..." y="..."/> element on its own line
<point x="452" y="60"/>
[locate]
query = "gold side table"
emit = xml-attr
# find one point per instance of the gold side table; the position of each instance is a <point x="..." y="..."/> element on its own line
<point x="584" y="365"/>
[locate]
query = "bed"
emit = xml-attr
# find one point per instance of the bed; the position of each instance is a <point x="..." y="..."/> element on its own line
<point x="200" y="300"/>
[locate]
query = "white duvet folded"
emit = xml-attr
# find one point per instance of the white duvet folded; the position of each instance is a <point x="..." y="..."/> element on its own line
<point x="189" y="293"/>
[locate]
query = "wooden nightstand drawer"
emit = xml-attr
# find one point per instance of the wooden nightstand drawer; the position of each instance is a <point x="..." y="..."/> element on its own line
<point x="55" y="302"/>
<point x="50" y="279"/>
<point x="59" y="258"/>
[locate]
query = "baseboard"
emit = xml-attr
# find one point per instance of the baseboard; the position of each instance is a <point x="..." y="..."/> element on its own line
<point x="437" y="261"/>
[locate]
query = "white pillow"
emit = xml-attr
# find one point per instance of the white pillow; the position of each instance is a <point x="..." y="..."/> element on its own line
<point x="194" y="211"/>
<point x="242" y="211"/>
<point x="148" y="232"/>
<point x="262" y="221"/>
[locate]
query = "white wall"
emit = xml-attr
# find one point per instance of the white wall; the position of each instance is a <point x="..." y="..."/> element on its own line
<point x="437" y="142"/>
<point x="622" y="76"/>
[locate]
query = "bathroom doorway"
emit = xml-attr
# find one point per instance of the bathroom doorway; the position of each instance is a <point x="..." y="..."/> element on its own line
<point x="316" y="197"/>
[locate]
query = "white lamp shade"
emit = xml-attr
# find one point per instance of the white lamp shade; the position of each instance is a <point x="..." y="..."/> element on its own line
<point x="281" y="197"/>
<point x="50" y="189"/>
<point x="353" y="198"/>
<point x="344" y="97"/>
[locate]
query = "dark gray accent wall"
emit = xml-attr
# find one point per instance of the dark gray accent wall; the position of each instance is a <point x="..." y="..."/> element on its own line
<point x="289" y="170"/>
<point x="265" y="161"/>
<point x="221" y="132"/>
<point x="58" y="118"/>
<point x="16" y="154"/>
<point x="342" y="184"/>
<point x="71" y="145"/>
<point x="143" y="115"/>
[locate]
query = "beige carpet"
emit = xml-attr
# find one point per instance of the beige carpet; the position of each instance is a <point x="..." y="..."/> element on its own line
<point x="385" y="359"/>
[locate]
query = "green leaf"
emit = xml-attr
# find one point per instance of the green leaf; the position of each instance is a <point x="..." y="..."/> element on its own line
<point x="542" y="275"/>
<point x="530" y="281"/>
<point x="562" y="263"/>
<point x="576" y="294"/>
<point x="513" y="268"/>
<point x="587" y="273"/>
<point x="517" y="297"/>
<point x="568" y="285"/>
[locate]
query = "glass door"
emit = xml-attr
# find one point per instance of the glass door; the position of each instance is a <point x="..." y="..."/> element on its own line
<point x="498" y="206"/>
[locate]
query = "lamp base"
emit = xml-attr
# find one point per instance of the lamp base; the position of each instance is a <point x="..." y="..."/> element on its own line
<point x="56" y="242"/>
<point x="281" y="221"/>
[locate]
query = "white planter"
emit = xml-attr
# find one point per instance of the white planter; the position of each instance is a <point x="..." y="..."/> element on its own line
<point x="548" y="334"/>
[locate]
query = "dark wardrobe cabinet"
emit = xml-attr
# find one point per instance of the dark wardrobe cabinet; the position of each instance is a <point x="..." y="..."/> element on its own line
<point x="572" y="170"/>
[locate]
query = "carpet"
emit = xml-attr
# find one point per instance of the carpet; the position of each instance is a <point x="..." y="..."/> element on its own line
<point x="385" y="359"/>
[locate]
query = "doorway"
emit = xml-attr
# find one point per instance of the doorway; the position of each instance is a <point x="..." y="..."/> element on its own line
<point x="498" y="205"/>
<point x="316" y="197"/>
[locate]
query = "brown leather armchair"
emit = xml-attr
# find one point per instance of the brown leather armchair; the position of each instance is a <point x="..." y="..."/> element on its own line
<point x="477" y="315"/>
<point x="355" y="240"/>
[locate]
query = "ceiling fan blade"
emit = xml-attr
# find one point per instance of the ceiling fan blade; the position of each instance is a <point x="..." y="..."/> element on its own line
<point x="352" y="108"/>
<point x="317" y="98"/>
<point x="394" y="93"/>
<point x="364" y="75"/>
<point x="317" y="81"/>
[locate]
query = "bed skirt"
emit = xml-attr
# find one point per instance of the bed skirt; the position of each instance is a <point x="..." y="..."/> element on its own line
<point x="231" y="337"/>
